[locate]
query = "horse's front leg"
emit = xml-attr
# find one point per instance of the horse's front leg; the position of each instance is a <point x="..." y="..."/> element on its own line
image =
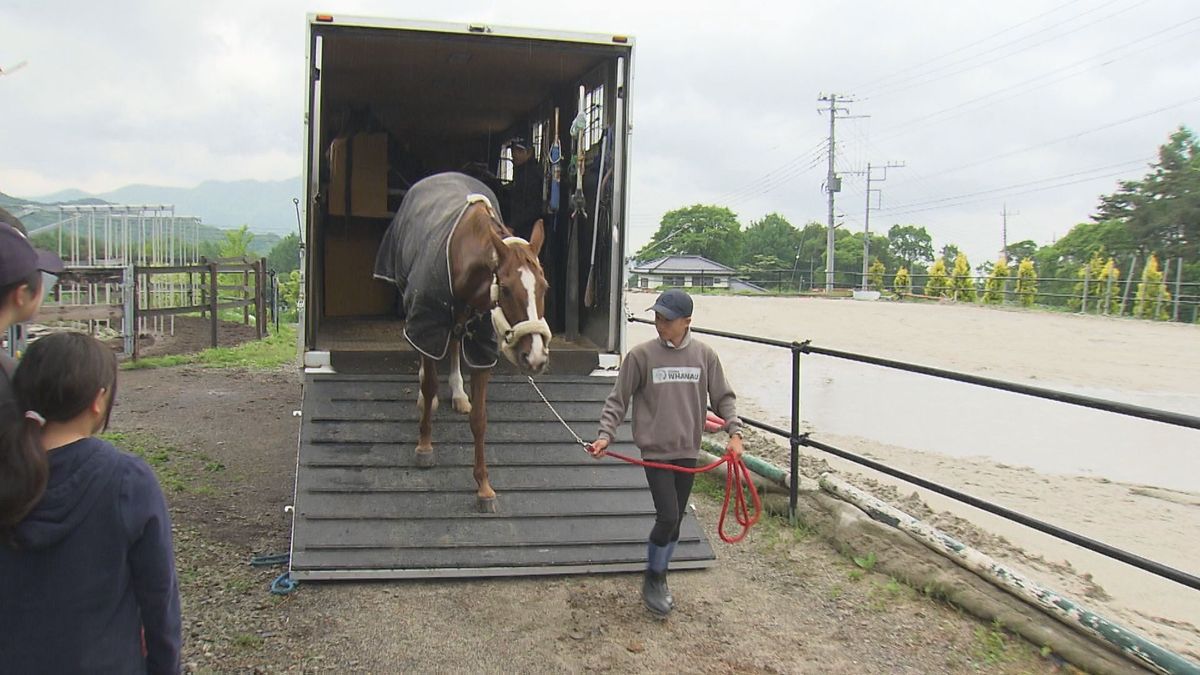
<point x="486" y="496"/>
<point x="458" y="395"/>
<point x="427" y="403"/>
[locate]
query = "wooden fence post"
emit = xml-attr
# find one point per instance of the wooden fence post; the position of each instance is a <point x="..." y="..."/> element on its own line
<point x="213" y="297"/>
<point x="260" y="297"/>
<point x="1087" y="273"/>
<point x="1128" y="284"/>
<point x="1178" y="285"/>
<point x="131" y="304"/>
<point x="245" y="291"/>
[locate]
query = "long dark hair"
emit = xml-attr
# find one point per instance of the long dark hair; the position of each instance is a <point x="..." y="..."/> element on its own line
<point x="58" y="378"/>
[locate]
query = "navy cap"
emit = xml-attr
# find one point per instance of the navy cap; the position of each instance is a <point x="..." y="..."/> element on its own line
<point x="672" y="304"/>
<point x="19" y="259"/>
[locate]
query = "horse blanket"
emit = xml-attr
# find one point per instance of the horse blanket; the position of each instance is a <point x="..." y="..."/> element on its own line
<point x="415" y="255"/>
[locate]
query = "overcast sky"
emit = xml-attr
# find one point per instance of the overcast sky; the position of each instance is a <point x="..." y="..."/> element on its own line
<point x="1040" y="105"/>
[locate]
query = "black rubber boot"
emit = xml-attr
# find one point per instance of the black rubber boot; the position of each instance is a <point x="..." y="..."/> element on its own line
<point x="655" y="595"/>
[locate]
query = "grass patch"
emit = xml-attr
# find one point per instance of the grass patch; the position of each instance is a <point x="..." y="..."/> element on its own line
<point x="993" y="646"/>
<point x="273" y="351"/>
<point x="247" y="641"/>
<point x="177" y="471"/>
<point x="866" y="562"/>
<point x="709" y="486"/>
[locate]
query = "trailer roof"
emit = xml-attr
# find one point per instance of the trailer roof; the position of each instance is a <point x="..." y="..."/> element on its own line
<point x="323" y="19"/>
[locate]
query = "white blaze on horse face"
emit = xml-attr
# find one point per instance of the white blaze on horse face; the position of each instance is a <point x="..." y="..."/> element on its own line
<point x="539" y="351"/>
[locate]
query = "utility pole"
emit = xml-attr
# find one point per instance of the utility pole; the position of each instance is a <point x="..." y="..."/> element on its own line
<point x="833" y="184"/>
<point x="1004" y="214"/>
<point x="867" y="213"/>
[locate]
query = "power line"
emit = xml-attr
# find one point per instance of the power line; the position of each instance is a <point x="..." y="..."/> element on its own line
<point x="866" y="86"/>
<point x="808" y="154"/>
<point x="903" y="210"/>
<point x="1068" y="137"/>
<point x="907" y="83"/>
<point x="1106" y="57"/>
<point x="1106" y="167"/>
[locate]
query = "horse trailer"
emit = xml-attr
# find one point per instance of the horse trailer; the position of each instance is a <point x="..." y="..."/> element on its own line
<point x="541" y="118"/>
<point x="390" y="102"/>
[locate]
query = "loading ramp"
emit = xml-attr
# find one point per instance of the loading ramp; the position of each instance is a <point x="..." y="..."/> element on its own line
<point x="364" y="511"/>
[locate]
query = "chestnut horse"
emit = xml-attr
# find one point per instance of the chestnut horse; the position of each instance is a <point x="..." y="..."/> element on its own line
<point x="469" y="288"/>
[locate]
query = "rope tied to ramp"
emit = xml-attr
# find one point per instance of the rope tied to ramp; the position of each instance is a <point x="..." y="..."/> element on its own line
<point x="737" y="480"/>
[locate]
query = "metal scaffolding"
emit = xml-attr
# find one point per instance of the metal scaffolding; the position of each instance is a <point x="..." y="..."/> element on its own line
<point x="119" y="236"/>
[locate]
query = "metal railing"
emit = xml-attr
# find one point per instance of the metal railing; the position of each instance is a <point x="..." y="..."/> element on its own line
<point x="797" y="439"/>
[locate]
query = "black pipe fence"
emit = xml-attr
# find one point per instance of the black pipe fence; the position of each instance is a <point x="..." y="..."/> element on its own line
<point x="796" y="439"/>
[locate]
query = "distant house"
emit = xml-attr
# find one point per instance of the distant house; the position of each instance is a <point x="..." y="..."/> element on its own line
<point x="683" y="271"/>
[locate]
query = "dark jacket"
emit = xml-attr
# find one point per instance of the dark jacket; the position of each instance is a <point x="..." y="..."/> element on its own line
<point x="91" y="569"/>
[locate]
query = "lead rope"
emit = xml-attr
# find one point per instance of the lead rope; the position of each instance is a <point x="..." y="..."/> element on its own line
<point x="737" y="479"/>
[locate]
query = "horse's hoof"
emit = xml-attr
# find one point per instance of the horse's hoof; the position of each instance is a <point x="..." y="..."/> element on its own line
<point x="486" y="504"/>
<point x="425" y="459"/>
<point x="462" y="405"/>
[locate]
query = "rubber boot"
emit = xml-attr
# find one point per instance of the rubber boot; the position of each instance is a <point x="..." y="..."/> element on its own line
<point x="670" y="554"/>
<point x="655" y="595"/>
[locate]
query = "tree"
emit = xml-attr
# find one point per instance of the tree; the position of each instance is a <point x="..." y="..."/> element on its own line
<point x="236" y="243"/>
<point x="1026" y="282"/>
<point x="875" y="274"/>
<point x="962" y="284"/>
<point x="1021" y="250"/>
<point x="289" y="295"/>
<point x="902" y="283"/>
<point x="709" y="231"/>
<point x="1152" y="295"/>
<point x="1161" y="212"/>
<point x="285" y="256"/>
<point x="950" y="252"/>
<point x="938" y="285"/>
<point x="773" y="237"/>
<point x="993" y="291"/>
<point x="1085" y="239"/>
<point x="1108" y="290"/>
<point x="910" y="244"/>
<point x="1098" y="271"/>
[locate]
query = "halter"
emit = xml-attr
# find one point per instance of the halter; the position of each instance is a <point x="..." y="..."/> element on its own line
<point x="509" y="334"/>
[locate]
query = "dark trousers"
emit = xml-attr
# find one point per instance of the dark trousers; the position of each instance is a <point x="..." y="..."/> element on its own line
<point x="670" y="490"/>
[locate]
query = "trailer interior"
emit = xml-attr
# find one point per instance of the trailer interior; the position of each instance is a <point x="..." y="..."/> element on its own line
<point x="390" y="106"/>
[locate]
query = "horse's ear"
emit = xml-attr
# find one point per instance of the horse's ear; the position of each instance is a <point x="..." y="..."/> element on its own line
<point x="537" y="238"/>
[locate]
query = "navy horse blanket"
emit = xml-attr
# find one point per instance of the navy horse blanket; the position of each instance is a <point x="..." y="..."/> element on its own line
<point x="415" y="255"/>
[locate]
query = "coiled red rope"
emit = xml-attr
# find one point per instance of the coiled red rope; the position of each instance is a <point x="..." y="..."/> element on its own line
<point x="737" y="479"/>
<point x="737" y="476"/>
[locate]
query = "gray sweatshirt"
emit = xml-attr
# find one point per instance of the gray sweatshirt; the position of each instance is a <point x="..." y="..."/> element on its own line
<point x="671" y="388"/>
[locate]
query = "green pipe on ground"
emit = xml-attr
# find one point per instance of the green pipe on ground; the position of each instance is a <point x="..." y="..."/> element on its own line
<point x="757" y="465"/>
<point x="1134" y="646"/>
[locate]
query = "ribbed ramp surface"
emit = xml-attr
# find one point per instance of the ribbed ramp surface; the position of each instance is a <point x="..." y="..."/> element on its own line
<point x="364" y="511"/>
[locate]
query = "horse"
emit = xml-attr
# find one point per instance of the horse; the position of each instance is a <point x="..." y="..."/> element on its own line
<point x="468" y="287"/>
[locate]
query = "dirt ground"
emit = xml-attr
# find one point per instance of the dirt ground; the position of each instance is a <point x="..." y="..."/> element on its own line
<point x="192" y="334"/>
<point x="224" y="445"/>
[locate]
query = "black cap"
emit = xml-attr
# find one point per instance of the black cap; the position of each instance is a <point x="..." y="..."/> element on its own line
<point x="518" y="142"/>
<point x="19" y="259"/>
<point x="672" y="304"/>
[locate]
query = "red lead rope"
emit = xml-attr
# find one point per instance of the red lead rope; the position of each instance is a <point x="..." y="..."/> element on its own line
<point x="737" y="477"/>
